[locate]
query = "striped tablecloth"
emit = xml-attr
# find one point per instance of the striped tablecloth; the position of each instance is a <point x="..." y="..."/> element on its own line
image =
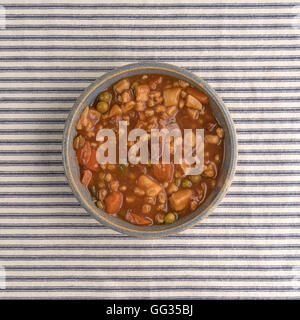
<point x="248" y="51"/>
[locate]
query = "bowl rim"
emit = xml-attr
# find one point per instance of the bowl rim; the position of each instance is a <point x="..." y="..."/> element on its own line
<point x="122" y="71"/>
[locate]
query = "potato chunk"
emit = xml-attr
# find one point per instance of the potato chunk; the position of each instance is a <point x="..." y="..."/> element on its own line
<point x="171" y="96"/>
<point x="149" y="186"/>
<point x="194" y="103"/>
<point x="142" y="92"/>
<point x="122" y="85"/>
<point x="202" y="97"/>
<point x="180" y="199"/>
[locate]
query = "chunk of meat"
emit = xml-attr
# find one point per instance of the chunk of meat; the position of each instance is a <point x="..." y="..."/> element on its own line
<point x="94" y="116"/>
<point x="136" y="219"/>
<point x="180" y="199"/>
<point x="171" y="96"/>
<point x="115" y="110"/>
<point x="88" y="119"/>
<point x="154" y="82"/>
<point x="149" y="186"/>
<point x="113" y="202"/>
<point x="142" y="92"/>
<point x="86" y="177"/>
<point x="194" y="103"/>
<point x="122" y="85"/>
<point x="202" y="97"/>
<point x="163" y="172"/>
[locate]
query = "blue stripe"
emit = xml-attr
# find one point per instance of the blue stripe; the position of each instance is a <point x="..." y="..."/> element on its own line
<point x="25" y="142"/>
<point x="151" y="267"/>
<point x="33" y="121"/>
<point x="151" y="289"/>
<point x="149" y="257"/>
<point x="150" y="48"/>
<point x="158" y="16"/>
<point x="153" y="27"/>
<point x="31" y="131"/>
<point x="150" y="37"/>
<point x="152" y="5"/>
<point x="108" y="247"/>
<point x="30" y="152"/>
<point x="159" y="278"/>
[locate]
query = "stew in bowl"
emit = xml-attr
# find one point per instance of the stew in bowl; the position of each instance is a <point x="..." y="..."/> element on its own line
<point x="146" y="195"/>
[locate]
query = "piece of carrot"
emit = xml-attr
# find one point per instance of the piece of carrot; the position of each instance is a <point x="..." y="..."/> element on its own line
<point x="136" y="219"/>
<point x="84" y="153"/>
<point x="113" y="202"/>
<point x="86" y="177"/>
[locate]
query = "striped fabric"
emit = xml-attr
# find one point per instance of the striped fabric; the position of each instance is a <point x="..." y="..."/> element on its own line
<point x="248" y="51"/>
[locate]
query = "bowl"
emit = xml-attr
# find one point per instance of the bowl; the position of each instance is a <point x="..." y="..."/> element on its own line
<point x="71" y="166"/>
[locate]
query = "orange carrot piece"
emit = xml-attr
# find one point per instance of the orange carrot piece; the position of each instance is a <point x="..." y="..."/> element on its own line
<point x="163" y="172"/>
<point x="93" y="163"/>
<point x="86" y="177"/>
<point x="136" y="219"/>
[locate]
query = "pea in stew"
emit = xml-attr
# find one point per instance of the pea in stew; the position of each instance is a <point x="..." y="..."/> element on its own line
<point x="147" y="194"/>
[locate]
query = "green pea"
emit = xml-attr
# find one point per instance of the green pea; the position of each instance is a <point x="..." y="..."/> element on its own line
<point x="124" y="169"/>
<point x="99" y="204"/>
<point x="102" y="106"/>
<point x="186" y="183"/>
<point x="170" y="218"/>
<point x="101" y="175"/>
<point x="134" y="85"/>
<point x="195" y="178"/>
<point x="104" y="96"/>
